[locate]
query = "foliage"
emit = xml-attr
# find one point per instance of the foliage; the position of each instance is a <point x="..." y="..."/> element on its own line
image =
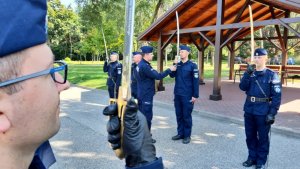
<point x="63" y="30"/>
<point x="78" y="33"/>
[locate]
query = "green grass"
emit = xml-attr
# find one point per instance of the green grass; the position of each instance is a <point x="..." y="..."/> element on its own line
<point x="90" y="74"/>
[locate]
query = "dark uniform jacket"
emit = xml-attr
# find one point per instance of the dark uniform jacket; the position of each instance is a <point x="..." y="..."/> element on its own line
<point x="146" y="79"/>
<point x="187" y="79"/>
<point x="114" y="71"/>
<point x="134" y="80"/>
<point x="270" y="84"/>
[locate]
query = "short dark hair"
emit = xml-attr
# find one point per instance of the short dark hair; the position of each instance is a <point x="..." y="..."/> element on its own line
<point x="10" y="67"/>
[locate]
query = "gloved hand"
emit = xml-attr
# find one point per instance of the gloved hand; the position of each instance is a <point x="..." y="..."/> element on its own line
<point x="113" y="126"/>
<point x="270" y="119"/>
<point x="250" y="68"/>
<point x="137" y="145"/>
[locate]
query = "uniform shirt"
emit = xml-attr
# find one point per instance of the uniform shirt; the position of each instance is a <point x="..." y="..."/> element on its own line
<point x="270" y="84"/>
<point x="114" y="71"/>
<point x="43" y="157"/>
<point x="186" y="79"/>
<point x="134" y="79"/>
<point x="146" y="79"/>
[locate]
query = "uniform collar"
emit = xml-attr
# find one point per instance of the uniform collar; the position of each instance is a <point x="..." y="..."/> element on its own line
<point x="146" y="61"/>
<point x="261" y="72"/>
<point x="185" y="62"/>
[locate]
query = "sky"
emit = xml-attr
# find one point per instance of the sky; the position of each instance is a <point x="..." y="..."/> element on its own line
<point x="68" y="2"/>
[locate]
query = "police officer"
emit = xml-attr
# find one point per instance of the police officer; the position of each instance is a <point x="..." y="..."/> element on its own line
<point x="29" y="86"/>
<point x="114" y="71"/>
<point x="146" y="83"/>
<point x="186" y="91"/>
<point x="136" y="58"/>
<point x="263" y="90"/>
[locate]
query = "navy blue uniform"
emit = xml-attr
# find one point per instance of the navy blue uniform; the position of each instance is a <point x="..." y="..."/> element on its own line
<point x="133" y="85"/>
<point x="146" y="76"/>
<point x="186" y="87"/>
<point x="114" y="71"/>
<point x="257" y="106"/>
<point x="43" y="157"/>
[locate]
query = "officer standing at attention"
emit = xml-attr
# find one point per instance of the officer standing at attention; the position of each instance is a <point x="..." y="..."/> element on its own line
<point x="263" y="90"/>
<point x="146" y="83"/>
<point x="186" y="91"/>
<point x="136" y="58"/>
<point x="114" y="71"/>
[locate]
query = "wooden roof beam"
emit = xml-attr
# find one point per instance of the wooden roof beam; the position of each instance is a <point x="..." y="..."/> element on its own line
<point x="289" y="28"/>
<point x="277" y="29"/>
<point x="282" y="4"/>
<point x="233" y="36"/>
<point x="237" y="25"/>
<point x="262" y="38"/>
<point x="207" y="39"/>
<point x="238" y="17"/>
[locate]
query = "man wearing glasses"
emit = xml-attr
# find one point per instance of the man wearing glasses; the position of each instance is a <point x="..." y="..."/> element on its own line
<point x="30" y="84"/>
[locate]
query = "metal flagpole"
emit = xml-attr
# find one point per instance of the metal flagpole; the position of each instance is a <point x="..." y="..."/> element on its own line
<point x="124" y="90"/>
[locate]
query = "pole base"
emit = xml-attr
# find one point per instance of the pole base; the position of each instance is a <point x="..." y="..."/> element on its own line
<point x="215" y="97"/>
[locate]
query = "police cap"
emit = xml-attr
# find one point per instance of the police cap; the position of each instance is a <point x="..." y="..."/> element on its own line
<point x="184" y="47"/>
<point x="260" y="52"/>
<point x="22" y="25"/>
<point x="147" y="49"/>
<point x="114" y="53"/>
<point x="136" y="53"/>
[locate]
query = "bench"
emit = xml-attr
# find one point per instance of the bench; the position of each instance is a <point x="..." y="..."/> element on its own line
<point x="291" y="72"/>
<point x="243" y="67"/>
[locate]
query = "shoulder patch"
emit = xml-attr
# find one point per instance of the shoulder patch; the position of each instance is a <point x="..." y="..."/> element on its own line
<point x="277" y="88"/>
<point x="275" y="79"/>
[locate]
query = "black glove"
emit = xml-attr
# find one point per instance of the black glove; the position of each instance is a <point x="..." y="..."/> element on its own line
<point x="113" y="126"/>
<point x="137" y="145"/>
<point x="270" y="119"/>
<point x="250" y="68"/>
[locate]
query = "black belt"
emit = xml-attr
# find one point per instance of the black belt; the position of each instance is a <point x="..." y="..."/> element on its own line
<point x="257" y="99"/>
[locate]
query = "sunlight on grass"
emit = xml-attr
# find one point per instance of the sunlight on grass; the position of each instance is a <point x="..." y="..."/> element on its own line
<point x="90" y="74"/>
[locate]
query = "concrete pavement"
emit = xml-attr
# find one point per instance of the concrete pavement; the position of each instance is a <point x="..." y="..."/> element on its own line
<point x="217" y="143"/>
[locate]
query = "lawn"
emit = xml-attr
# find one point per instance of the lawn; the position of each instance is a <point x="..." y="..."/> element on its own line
<point x="90" y="74"/>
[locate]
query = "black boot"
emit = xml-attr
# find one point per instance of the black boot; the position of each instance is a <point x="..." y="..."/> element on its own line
<point x="249" y="163"/>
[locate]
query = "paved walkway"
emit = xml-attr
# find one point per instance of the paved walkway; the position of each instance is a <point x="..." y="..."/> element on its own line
<point x="216" y="144"/>
<point x="231" y="106"/>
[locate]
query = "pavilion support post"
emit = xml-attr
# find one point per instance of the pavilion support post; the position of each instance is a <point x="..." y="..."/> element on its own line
<point x="216" y="95"/>
<point x="284" y="52"/>
<point x="160" y="65"/>
<point x="201" y="62"/>
<point x="231" y="61"/>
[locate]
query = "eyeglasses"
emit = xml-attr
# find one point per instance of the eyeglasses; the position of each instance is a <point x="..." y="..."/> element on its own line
<point x="58" y="66"/>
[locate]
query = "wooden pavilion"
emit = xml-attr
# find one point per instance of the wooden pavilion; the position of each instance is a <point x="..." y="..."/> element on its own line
<point x="221" y="23"/>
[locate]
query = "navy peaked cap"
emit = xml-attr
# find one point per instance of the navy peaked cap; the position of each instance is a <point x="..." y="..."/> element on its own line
<point x="136" y="53"/>
<point x="114" y="53"/>
<point x="184" y="47"/>
<point x="147" y="49"/>
<point x="260" y="52"/>
<point x="22" y="24"/>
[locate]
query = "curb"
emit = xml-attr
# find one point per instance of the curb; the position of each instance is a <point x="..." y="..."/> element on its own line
<point x="285" y="131"/>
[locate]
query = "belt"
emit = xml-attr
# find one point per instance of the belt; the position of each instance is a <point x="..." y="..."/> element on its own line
<point x="257" y="99"/>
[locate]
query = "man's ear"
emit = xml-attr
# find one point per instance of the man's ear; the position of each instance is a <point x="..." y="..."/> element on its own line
<point x="4" y="122"/>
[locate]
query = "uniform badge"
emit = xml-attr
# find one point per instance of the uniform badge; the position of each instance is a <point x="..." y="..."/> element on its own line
<point x="277" y="89"/>
<point x="196" y="75"/>
<point x="275" y="79"/>
<point x="119" y="71"/>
